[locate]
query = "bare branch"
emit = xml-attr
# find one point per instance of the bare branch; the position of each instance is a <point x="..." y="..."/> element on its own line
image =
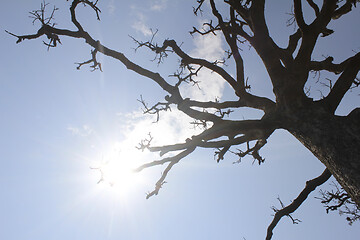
<point x="344" y="9"/>
<point x="248" y="130"/>
<point x="310" y="33"/>
<point x="145" y="143"/>
<point x="262" y="103"/>
<point x="293" y="41"/>
<point x="340" y="200"/>
<point x="198" y="8"/>
<point x="210" y="29"/>
<point x="294" y="220"/>
<point x="156" y="109"/>
<point x="75" y="3"/>
<point x="344" y="82"/>
<point x="253" y="151"/>
<point x="189" y="77"/>
<point x="231" y="39"/>
<point x="160" y="52"/>
<point x="173" y="160"/>
<point x="328" y="65"/>
<point x="299" y="15"/>
<point x="286" y="211"/>
<point x="102" y="178"/>
<point x="31" y="36"/>
<point x="314" y="6"/>
<point x="242" y="8"/>
<point x="96" y="65"/>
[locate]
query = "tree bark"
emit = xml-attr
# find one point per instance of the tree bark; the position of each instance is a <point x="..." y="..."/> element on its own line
<point x="334" y="140"/>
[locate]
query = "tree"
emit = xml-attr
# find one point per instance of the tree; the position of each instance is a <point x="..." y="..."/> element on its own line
<point x="332" y="139"/>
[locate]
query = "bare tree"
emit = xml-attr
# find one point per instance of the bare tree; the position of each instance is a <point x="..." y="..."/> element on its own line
<point x="333" y="139"/>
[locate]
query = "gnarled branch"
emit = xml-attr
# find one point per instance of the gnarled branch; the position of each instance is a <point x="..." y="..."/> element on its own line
<point x="286" y="211"/>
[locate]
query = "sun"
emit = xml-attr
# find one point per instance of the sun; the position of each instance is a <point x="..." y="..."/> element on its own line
<point x="116" y="169"/>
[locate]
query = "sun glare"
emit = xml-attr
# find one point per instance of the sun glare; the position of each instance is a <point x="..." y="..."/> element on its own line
<point x="116" y="169"/>
<point x="115" y="162"/>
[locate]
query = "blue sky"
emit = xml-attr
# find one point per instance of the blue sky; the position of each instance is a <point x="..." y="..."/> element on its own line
<point x="57" y="122"/>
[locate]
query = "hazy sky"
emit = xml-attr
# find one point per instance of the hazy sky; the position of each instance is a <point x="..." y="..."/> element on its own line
<point x="58" y="122"/>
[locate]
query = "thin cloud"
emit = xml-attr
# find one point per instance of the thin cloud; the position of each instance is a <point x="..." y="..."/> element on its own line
<point x="111" y="7"/>
<point x="82" y="131"/>
<point x="211" y="84"/>
<point x="175" y="126"/>
<point x="158" y="5"/>
<point x="140" y="25"/>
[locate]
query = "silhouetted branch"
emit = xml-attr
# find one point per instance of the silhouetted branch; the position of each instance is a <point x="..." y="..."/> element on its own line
<point x="340" y="200"/>
<point x="160" y="52"/>
<point x="173" y="160"/>
<point x="314" y="6"/>
<point x="23" y="37"/>
<point x="251" y="100"/>
<point x="344" y="9"/>
<point x="145" y="143"/>
<point x="328" y="65"/>
<point x="286" y="211"/>
<point x="211" y="29"/>
<point x="156" y="109"/>
<point x="299" y="15"/>
<point x="96" y="65"/>
<point x="343" y="83"/>
<point x="46" y="22"/>
<point x="189" y="77"/>
<point x="102" y="175"/>
<point x="253" y="151"/>
<point x="228" y="29"/>
<point x="40" y="14"/>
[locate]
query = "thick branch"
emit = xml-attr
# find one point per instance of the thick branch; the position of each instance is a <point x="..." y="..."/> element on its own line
<point x="299" y="15"/>
<point x="343" y="83"/>
<point x="248" y="129"/>
<point x="217" y="105"/>
<point x="328" y="65"/>
<point x="73" y="15"/>
<point x="264" y="45"/>
<point x="311" y="32"/>
<point x="314" y="6"/>
<point x="344" y="9"/>
<point x="206" y="144"/>
<point x="186" y="59"/>
<point x="293" y="41"/>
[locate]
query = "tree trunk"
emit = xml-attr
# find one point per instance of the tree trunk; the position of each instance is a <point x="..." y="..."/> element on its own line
<point x="334" y="140"/>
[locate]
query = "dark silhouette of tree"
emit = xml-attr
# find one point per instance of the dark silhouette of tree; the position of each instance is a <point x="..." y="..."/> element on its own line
<point x="333" y="139"/>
